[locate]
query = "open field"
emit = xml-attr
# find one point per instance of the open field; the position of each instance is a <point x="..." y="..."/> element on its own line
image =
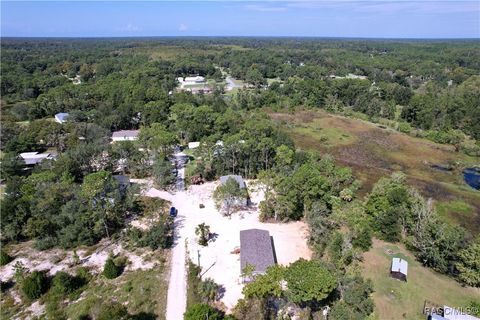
<point x="374" y="152"/>
<point x="395" y="299"/>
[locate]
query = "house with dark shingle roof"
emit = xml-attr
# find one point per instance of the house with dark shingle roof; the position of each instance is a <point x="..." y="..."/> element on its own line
<point x="256" y="249"/>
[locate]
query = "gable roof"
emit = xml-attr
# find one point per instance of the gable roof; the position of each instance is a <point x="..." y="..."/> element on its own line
<point x="125" y="134"/>
<point x="256" y="249"/>
<point x="399" y="265"/>
<point x="238" y="179"/>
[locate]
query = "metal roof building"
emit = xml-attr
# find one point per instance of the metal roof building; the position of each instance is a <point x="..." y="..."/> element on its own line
<point x="399" y="269"/>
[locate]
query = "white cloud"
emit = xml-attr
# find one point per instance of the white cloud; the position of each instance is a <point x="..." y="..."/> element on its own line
<point x="182" y="27"/>
<point x="264" y="8"/>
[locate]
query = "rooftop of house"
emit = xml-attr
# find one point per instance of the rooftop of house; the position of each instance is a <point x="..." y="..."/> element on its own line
<point x="125" y="134"/>
<point x="31" y="158"/>
<point x="238" y="179"/>
<point x="399" y="265"/>
<point x="62" y="116"/>
<point x="256" y="248"/>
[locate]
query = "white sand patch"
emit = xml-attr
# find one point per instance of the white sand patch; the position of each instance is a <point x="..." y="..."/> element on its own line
<point x="36" y="309"/>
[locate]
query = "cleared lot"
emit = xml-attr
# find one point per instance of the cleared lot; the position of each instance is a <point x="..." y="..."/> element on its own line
<point x="217" y="260"/>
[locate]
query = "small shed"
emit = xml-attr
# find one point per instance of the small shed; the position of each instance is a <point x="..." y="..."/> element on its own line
<point x="193" y="145"/>
<point x="256" y="249"/>
<point x="399" y="269"/>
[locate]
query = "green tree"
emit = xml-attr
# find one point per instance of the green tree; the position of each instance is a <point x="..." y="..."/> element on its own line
<point x="309" y="281"/>
<point x="229" y="196"/>
<point x="469" y="263"/>
<point x="163" y="173"/>
<point x="209" y="290"/>
<point x="5" y="258"/>
<point x="200" y="311"/>
<point x="34" y="285"/>
<point x="110" y="269"/>
<point x="158" y="139"/>
<point x="270" y="284"/>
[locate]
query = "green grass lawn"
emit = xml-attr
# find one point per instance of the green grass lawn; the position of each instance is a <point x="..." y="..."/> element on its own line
<point x="328" y="136"/>
<point x="395" y="299"/>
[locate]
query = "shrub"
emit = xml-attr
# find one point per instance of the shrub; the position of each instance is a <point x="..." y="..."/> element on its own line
<point x="112" y="311"/>
<point x="34" y="285"/>
<point x="5" y="258"/>
<point x="404" y="127"/>
<point x="64" y="283"/>
<point x="201" y="311"/>
<point x="110" y="269"/>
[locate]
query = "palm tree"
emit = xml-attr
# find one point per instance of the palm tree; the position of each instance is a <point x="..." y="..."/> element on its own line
<point x="203" y="233"/>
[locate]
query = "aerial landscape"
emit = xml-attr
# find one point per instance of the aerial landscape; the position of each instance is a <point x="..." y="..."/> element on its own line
<point x="240" y="160"/>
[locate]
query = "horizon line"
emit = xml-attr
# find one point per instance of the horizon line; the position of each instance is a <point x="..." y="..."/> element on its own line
<point x="237" y="36"/>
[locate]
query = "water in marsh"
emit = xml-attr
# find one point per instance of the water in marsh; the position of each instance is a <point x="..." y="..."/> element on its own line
<point x="472" y="177"/>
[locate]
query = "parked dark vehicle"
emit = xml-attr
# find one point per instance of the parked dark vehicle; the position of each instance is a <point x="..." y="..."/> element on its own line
<point x="173" y="212"/>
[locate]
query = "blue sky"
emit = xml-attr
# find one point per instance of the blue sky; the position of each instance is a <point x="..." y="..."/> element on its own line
<point x="341" y="18"/>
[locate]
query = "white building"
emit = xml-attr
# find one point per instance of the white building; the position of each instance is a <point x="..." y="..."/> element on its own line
<point x="193" y="145"/>
<point x="125" y="135"/>
<point x="194" y="80"/>
<point x="32" y="158"/>
<point x="61" y="117"/>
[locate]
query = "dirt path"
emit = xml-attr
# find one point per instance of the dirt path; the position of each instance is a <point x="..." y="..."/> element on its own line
<point x="177" y="286"/>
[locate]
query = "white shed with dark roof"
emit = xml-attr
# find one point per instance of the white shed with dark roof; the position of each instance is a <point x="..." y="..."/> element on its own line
<point x="399" y="269"/>
<point x="256" y="249"/>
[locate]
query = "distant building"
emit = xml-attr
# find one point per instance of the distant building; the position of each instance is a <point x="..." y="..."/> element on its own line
<point x="256" y="249"/>
<point x="194" y="80"/>
<point x="125" y="135"/>
<point x="193" y="145"/>
<point x="61" y="117"/>
<point x="33" y="158"/>
<point x="399" y="269"/>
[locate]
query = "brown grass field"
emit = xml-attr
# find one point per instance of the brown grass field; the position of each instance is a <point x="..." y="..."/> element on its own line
<point x="374" y="152"/>
<point x="395" y="299"/>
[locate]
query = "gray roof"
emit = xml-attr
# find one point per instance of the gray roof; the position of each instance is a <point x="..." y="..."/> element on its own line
<point x="399" y="265"/>
<point x="256" y="248"/>
<point x="239" y="179"/>
<point x="125" y="134"/>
